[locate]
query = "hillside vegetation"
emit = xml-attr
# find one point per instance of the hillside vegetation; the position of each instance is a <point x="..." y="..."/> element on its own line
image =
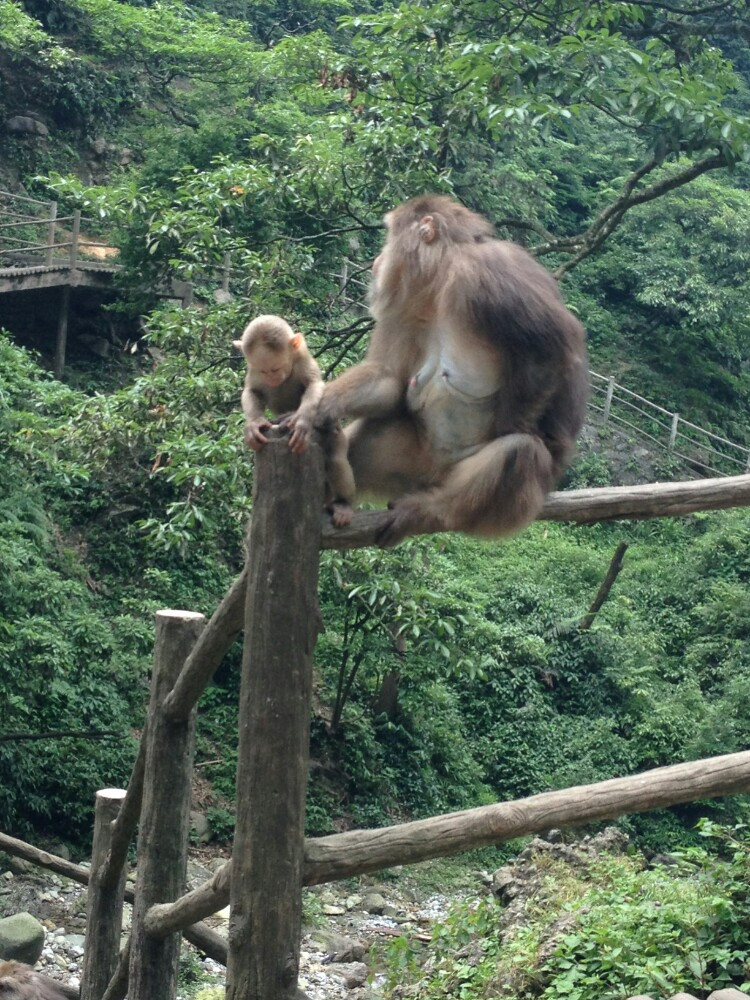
<point x="609" y="138"/>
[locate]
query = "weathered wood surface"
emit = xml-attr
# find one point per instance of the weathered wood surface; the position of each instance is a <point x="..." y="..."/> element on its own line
<point x="208" y="898"/>
<point x="274" y="723"/>
<point x="343" y="854"/>
<point x="103" y="902"/>
<point x="586" y="506"/>
<point x="125" y="825"/>
<point x="225" y="625"/>
<point x="165" y="812"/>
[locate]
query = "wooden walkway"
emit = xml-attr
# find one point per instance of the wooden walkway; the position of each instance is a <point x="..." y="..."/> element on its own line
<point x="40" y="249"/>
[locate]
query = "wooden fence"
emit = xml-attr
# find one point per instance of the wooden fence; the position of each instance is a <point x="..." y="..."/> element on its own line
<point x="275" y="601"/>
<point x="704" y="451"/>
<point x="31" y="232"/>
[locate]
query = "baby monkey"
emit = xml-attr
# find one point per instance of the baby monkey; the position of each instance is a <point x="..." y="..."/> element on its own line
<point x="283" y="377"/>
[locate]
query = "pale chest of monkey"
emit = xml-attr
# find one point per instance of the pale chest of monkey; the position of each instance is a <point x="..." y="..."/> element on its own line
<point x="454" y="394"/>
<point x="284" y="398"/>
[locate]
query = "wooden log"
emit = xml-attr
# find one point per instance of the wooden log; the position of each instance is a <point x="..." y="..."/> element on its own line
<point x="165" y="813"/>
<point x="274" y="723"/>
<point x="212" y="896"/>
<point x="126" y="822"/>
<point x="585" y="506"/>
<point x="103" y="902"/>
<point x="343" y="854"/>
<point x="225" y="625"/>
<point x="606" y="586"/>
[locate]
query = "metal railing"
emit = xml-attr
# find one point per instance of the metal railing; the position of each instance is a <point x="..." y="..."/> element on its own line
<point x="708" y="453"/>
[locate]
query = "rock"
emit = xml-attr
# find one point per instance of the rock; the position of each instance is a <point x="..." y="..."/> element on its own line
<point x="683" y="996"/>
<point x="374" y="903"/>
<point x="611" y="840"/>
<point x="641" y="996"/>
<point x="355" y="976"/>
<point x="21" y="938"/>
<point x="554" y="836"/>
<point x="199" y="823"/>
<point x="197" y="874"/>
<point x="503" y="883"/>
<point x="666" y="860"/>
<point x="338" y="947"/>
<point x="97" y="345"/>
<point x="727" y="994"/>
<point x="99" y="146"/>
<point x="25" y="125"/>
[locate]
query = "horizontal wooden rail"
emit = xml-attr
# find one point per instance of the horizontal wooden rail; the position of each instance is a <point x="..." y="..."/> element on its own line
<point x="586" y="506"/>
<point x="344" y="854"/>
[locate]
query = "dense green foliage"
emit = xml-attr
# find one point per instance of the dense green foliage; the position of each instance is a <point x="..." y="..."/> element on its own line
<point x="620" y="929"/>
<point x="612" y="140"/>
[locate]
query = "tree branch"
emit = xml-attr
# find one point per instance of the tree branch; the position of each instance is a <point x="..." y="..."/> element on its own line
<point x="603" y="593"/>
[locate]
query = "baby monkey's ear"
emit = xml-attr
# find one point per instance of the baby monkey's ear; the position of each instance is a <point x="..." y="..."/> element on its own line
<point x="237" y="344"/>
<point x="296" y="341"/>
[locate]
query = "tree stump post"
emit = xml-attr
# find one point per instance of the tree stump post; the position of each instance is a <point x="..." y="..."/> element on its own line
<point x="281" y="625"/>
<point x="104" y="903"/>
<point x="165" y="812"/>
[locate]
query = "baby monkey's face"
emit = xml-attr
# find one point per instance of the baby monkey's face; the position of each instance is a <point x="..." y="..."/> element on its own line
<point x="273" y="367"/>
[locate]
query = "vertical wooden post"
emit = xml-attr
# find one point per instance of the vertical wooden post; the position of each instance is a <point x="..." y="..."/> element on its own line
<point x="673" y="431"/>
<point x="62" y="332"/>
<point x="608" y="400"/>
<point x="281" y="627"/>
<point x="51" y="232"/>
<point x="104" y="904"/>
<point x="75" y="237"/>
<point x="165" y="812"/>
<point x="225" y="272"/>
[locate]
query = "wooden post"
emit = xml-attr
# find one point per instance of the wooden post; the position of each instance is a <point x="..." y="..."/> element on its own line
<point x="608" y="400"/>
<point x="75" y="237"/>
<point x="165" y="812"/>
<point x="104" y="904"/>
<point x="51" y="233"/>
<point x="225" y="273"/>
<point x="673" y="430"/>
<point x="62" y="332"/>
<point x="274" y="723"/>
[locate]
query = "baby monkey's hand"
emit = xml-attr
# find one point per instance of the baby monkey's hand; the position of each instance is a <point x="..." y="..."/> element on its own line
<point x="254" y="437"/>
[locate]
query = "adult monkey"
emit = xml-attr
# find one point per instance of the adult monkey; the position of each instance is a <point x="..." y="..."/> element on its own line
<point x="474" y="385"/>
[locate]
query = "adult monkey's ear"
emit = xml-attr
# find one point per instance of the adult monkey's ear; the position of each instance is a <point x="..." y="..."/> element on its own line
<point x="427" y="231"/>
<point x="296" y="341"/>
<point x="237" y="344"/>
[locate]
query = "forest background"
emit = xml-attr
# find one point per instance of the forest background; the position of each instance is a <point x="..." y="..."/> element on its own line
<point x="610" y="138"/>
